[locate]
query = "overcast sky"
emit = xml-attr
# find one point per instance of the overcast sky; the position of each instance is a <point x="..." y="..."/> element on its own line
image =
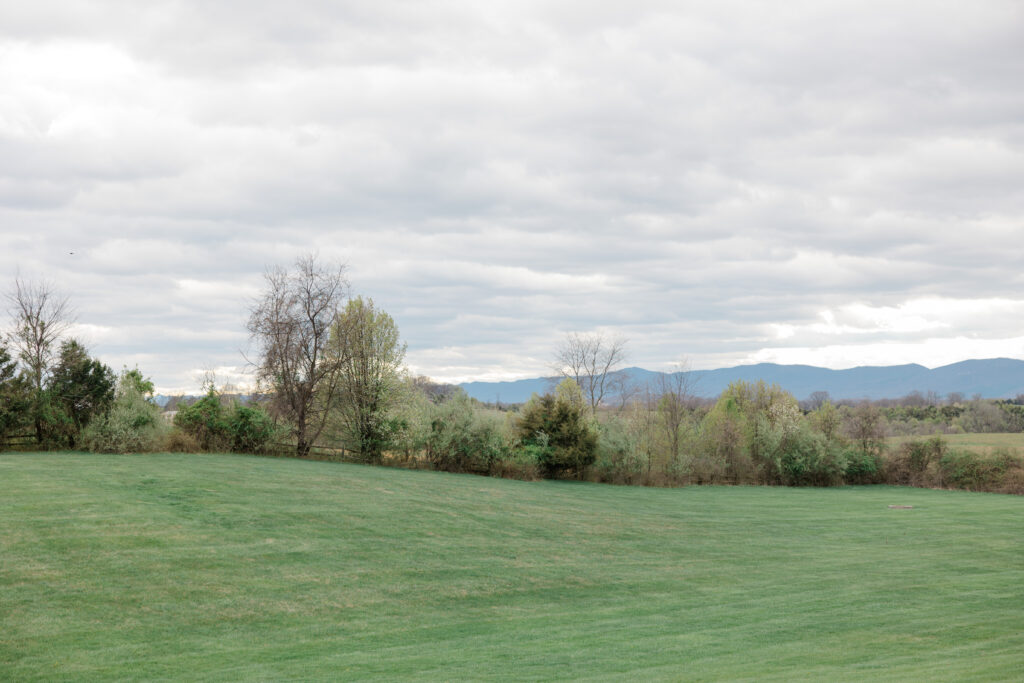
<point x="831" y="183"/>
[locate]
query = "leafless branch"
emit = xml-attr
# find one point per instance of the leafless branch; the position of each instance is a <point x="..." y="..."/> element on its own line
<point x="41" y="316"/>
<point x="291" y="325"/>
<point x="590" y="360"/>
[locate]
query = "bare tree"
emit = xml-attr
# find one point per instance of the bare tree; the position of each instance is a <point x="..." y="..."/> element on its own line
<point x="591" y="360"/>
<point x="623" y="389"/>
<point x="642" y="420"/>
<point x="865" y="425"/>
<point x="817" y="399"/>
<point x="436" y="392"/>
<point x="41" y="316"/>
<point x="675" y="401"/>
<point x="291" y="325"/>
<point x="913" y="399"/>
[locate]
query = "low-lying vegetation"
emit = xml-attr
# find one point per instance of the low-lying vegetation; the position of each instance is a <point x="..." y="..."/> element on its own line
<point x="932" y="463"/>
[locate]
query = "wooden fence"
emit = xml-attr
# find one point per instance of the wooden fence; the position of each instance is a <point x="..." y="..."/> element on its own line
<point x="316" y="452"/>
<point x="17" y="442"/>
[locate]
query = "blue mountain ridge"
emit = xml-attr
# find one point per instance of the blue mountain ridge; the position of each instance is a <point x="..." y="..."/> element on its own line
<point x="991" y="378"/>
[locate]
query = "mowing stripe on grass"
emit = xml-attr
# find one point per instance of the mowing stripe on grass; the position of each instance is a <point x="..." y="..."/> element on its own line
<point x="224" y="567"/>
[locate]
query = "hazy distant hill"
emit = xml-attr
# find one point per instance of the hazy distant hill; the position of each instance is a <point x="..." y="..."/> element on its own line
<point x="992" y="378"/>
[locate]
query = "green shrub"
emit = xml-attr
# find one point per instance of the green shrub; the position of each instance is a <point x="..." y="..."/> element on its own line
<point x="408" y="424"/>
<point x="15" y="398"/>
<point x="1013" y="480"/>
<point x="977" y="471"/>
<point x="560" y="430"/>
<point x="54" y="423"/>
<point x="516" y="463"/>
<point x="206" y="422"/>
<point x="132" y="425"/>
<point x="705" y="467"/>
<point x="178" y="441"/>
<point x="251" y="429"/>
<point x="461" y="440"/>
<point x="240" y="428"/>
<point x="916" y="463"/>
<point x="723" y="447"/>
<point x="538" y="450"/>
<point x="808" y="458"/>
<point x="618" y="459"/>
<point x="78" y="390"/>
<point x="862" y="467"/>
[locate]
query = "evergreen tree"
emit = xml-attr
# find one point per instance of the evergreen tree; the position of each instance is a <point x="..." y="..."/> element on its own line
<point x="558" y="429"/>
<point x="79" y="389"/>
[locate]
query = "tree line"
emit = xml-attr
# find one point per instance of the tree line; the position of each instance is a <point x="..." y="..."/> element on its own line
<point x="331" y="384"/>
<point x="51" y="389"/>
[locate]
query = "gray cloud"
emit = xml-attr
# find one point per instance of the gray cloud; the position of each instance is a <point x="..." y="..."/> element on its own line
<point x="713" y="181"/>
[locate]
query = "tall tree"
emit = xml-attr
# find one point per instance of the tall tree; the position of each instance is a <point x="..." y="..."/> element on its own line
<point x="291" y="326"/>
<point x="675" y="391"/>
<point x="137" y="382"/>
<point x="590" y="360"/>
<point x="368" y="347"/>
<point x="79" y="389"/>
<point x="865" y="425"/>
<point x="14" y="400"/>
<point x="41" y="316"/>
<point x="8" y="366"/>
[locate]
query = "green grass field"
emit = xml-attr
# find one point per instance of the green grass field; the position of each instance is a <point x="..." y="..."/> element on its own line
<point x="220" y="567"/>
<point x="980" y="443"/>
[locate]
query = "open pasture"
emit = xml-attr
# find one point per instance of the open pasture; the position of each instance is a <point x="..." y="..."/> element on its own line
<point x="220" y="567"/>
<point x="979" y="443"/>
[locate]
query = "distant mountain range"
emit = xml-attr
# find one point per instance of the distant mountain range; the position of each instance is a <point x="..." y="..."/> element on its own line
<point x="992" y="378"/>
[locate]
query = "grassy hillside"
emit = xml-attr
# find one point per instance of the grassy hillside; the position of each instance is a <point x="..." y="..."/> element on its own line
<point x="232" y="567"/>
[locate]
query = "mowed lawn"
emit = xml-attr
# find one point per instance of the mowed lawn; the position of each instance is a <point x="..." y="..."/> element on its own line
<point x="221" y="567"/>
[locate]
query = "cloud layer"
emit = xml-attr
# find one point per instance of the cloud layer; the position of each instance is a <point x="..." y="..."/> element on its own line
<point x="827" y="182"/>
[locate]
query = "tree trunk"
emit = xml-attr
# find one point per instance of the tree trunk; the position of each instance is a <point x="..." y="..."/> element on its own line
<point x="302" y="447"/>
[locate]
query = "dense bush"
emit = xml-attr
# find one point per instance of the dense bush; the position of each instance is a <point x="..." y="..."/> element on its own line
<point x="722" y="451"/>
<point x="916" y="463"/>
<point x="516" y="463"/>
<point x="862" y="467"/>
<point x="931" y="463"/>
<point x="79" y="389"/>
<point x="410" y="419"/>
<point x="251" y="429"/>
<point x="619" y="459"/>
<point x="243" y="429"/>
<point x="15" y="397"/>
<point x="748" y="432"/>
<point x="864" y="425"/>
<point x="132" y="425"/>
<point x="461" y="440"/>
<point x="559" y="431"/>
<point x="980" y="416"/>
<point x="177" y="441"/>
<point x="754" y="434"/>
<point x="998" y="471"/>
<point x="206" y="422"/>
<point x="807" y="458"/>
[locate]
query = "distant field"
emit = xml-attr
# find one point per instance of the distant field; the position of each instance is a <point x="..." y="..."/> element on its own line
<point x="219" y="567"/>
<point x="982" y="443"/>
